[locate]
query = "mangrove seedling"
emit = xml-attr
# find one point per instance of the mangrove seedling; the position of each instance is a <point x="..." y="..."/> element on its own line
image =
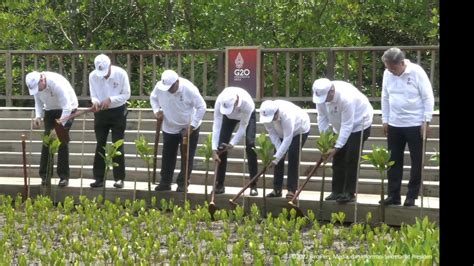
<point x="111" y="151"/>
<point x="146" y="154"/>
<point x="206" y="151"/>
<point x="51" y="142"/>
<point x="264" y="151"/>
<point x="380" y="159"/>
<point x="327" y="140"/>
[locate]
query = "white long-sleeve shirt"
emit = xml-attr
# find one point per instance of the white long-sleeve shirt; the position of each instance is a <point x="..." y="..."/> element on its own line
<point x="407" y="100"/>
<point x="345" y="113"/>
<point x="242" y="112"/>
<point x="116" y="87"/>
<point x="180" y="109"/>
<point x="292" y="121"/>
<point x="58" y="94"/>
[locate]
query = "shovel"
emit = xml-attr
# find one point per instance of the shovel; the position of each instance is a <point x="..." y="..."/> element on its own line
<point x="299" y="212"/>
<point x="25" y="175"/>
<point x="212" y="205"/>
<point x="155" y="151"/>
<point x="423" y="151"/>
<point x="61" y="132"/>
<point x="232" y="201"/>
<point x="361" y="145"/>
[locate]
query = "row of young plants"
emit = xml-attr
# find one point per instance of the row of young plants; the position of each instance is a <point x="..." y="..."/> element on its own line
<point x="132" y="232"/>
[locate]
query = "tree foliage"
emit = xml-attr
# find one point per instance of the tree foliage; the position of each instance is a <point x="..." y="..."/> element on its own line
<point x="186" y="24"/>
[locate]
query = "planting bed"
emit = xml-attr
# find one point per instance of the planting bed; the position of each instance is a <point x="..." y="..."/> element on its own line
<point x="129" y="233"/>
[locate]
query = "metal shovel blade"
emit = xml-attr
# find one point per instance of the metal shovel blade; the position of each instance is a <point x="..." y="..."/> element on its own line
<point x="299" y="212"/>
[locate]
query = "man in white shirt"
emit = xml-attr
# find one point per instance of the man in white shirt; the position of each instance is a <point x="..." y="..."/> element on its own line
<point x="407" y="103"/>
<point x="178" y="101"/>
<point x="54" y="98"/>
<point x="288" y="128"/>
<point x="109" y="90"/>
<point x="343" y="109"/>
<point x="234" y="105"/>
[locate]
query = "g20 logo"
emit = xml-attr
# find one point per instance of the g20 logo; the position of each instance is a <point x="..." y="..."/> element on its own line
<point x="242" y="72"/>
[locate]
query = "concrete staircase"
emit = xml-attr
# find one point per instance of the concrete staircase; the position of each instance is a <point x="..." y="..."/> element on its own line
<point x="16" y="121"/>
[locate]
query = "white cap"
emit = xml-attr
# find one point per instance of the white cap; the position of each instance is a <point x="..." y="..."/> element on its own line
<point x="32" y="79"/>
<point x="102" y="64"/>
<point x="168" y="78"/>
<point x="267" y="111"/>
<point x="228" y="103"/>
<point x="321" y="88"/>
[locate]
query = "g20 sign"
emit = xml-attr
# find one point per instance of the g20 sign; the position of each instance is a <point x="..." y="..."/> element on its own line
<point x="243" y="69"/>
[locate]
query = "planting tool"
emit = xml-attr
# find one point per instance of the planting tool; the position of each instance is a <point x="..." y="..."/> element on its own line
<point x="61" y="132"/>
<point x="25" y="175"/>
<point x="159" y="121"/>
<point x="232" y="201"/>
<point x="82" y="153"/>
<point x="361" y="144"/>
<point x="185" y="155"/>
<point x="299" y="212"/>
<point x="212" y="205"/>
<point x="29" y="154"/>
<point x="136" y="156"/>
<point x="423" y="151"/>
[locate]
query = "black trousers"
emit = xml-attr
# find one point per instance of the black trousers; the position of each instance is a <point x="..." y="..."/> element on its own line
<point x="171" y="142"/>
<point x="397" y="139"/>
<point x="344" y="163"/>
<point x="114" y="119"/>
<point x="293" y="163"/>
<point x="63" y="151"/>
<point x="228" y="126"/>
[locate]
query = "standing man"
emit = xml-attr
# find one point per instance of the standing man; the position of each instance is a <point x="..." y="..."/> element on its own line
<point x="178" y="102"/>
<point x="110" y="90"/>
<point x="286" y="124"/>
<point x="54" y="98"/>
<point x="343" y="109"/>
<point x="234" y="105"/>
<point x="407" y="103"/>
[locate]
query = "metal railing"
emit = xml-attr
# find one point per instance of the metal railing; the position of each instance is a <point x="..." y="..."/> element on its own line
<point x="285" y="72"/>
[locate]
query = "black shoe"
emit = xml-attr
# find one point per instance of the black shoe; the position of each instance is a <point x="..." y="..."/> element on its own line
<point x="98" y="183"/>
<point x="346" y="197"/>
<point x="163" y="187"/>
<point x="64" y="182"/>
<point x="390" y="201"/>
<point x="219" y="190"/>
<point x="276" y="193"/>
<point x="181" y="189"/>
<point x="333" y="196"/>
<point x="118" y="184"/>
<point x="253" y="191"/>
<point x="409" y="202"/>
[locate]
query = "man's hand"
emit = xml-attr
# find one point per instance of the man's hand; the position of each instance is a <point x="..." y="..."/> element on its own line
<point x="159" y="115"/>
<point x="95" y="107"/>
<point x="330" y="154"/>
<point x="184" y="131"/>
<point x="36" y="122"/>
<point x="105" y="104"/>
<point x="227" y="147"/>
<point x="52" y="134"/>
<point x="385" y="129"/>
<point x="215" y="156"/>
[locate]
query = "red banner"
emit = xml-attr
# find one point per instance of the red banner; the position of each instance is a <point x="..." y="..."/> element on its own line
<point x="243" y="69"/>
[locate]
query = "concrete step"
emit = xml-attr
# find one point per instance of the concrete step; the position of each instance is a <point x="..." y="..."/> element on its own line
<point x="233" y="179"/>
<point x="395" y="215"/>
<point x="146" y="113"/>
<point x="149" y="125"/>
